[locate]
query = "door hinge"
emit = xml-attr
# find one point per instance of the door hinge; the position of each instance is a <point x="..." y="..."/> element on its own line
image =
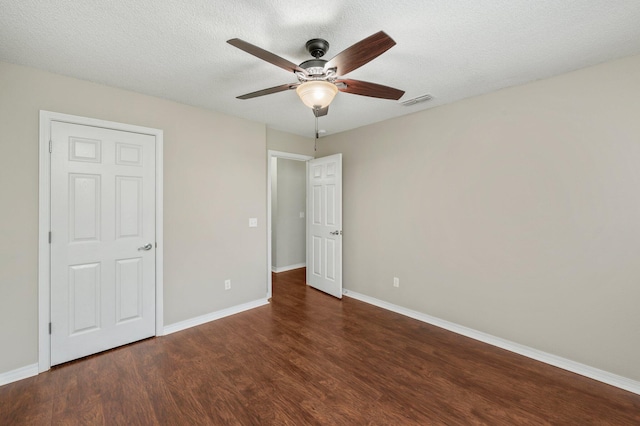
<point x="50" y="146"/>
<point x="49" y="237"/>
<point x="49" y="328"/>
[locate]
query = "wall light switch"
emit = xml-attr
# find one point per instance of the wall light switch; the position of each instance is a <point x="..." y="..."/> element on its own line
<point x="301" y="215"/>
<point x="253" y="222"/>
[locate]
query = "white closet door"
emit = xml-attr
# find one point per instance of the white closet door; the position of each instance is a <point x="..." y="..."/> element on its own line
<point x="103" y="239"/>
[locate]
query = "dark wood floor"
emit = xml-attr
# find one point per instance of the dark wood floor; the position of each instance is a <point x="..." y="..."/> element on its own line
<point x="308" y="358"/>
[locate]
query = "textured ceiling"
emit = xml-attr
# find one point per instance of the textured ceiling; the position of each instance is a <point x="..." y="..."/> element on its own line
<point x="177" y="49"/>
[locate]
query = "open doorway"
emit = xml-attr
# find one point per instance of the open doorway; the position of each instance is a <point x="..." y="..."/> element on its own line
<point x="286" y="213"/>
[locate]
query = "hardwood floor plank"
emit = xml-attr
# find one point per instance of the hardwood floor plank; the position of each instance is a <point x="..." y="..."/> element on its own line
<point x="27" y="402"/>
<point x="78" y="399"/>
<point x="311" y="359"/>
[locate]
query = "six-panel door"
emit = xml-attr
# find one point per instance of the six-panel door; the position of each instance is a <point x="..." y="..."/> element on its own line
<point x="324" y="224"/>
<point x="102" y="215"/>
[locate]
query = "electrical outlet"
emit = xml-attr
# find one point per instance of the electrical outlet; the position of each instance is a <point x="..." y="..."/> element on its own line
<point x="253" y="222"/>
<point x="301" y="215"/>
<point x="396" y="282"/>
<point x="227" y="284"/>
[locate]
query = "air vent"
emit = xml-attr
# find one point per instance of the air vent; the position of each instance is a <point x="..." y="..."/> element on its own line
<point x="423" y="98"/>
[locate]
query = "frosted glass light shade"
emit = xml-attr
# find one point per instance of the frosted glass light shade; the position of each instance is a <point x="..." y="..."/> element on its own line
<point x="317" y="93"/>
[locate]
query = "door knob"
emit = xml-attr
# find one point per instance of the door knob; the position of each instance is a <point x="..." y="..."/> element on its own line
<point x="336" y="233"/>
<point x="146" y="247"/>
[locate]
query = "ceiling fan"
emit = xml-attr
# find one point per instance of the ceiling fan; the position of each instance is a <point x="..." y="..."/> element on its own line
<point x="319" y="80"/>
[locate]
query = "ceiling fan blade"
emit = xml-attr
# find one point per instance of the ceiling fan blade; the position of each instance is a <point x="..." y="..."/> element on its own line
<point x="360" y="53"/>
<point x="364" y="88"/>
<point x="269" y="91"/>
<point x="265" y="55"/>
<point x="321" y="112"/>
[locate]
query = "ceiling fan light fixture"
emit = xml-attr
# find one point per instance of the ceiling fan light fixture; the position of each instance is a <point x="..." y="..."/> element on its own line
<point x="317" y="93"/>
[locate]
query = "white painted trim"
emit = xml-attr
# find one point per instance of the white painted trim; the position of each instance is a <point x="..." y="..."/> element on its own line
<point x="289" y="156"/>
<point x="44" y="214"/>
<point x="193" y="322"/>
<point x="566" y="364"/>
<point x="159" y="231"/>
<point x="18" y="374"/>
<point x="288" y="268"/>
<point x="44" y="200"/>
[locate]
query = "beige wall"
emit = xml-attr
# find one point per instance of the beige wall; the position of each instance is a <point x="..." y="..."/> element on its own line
<point x="289" y="230"/>
<point x="287" y="142"/>
<point x="214" y="180"/>
<point x="516" y="213"/>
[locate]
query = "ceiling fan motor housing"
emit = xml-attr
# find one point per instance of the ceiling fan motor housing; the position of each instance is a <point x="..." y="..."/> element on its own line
<point x="317" y="47"/>
<point x="315" y="67"/>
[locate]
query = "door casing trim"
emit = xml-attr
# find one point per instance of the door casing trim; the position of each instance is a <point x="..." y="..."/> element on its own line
<point x="288" y="156"/>
<point x="44" y="221"/>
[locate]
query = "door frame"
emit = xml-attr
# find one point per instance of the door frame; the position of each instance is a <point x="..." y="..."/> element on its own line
<point x="288" y="156"/>
<point x="44" y="220"/>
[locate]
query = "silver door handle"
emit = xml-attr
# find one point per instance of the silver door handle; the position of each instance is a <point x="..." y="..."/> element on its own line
<point x="336" y="233"/>
<point x="146" y="247"/>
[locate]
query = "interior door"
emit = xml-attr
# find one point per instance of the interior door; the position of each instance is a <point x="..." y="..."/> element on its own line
<point x="102" y="241"/>
<point x="324" y="224"/>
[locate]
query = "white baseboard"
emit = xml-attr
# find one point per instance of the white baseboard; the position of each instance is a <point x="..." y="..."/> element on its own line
<point x="19" y="374"/>
<point x="183" y="325"/>
<point x="288" y="268"/>
<point x="566" y="364"/>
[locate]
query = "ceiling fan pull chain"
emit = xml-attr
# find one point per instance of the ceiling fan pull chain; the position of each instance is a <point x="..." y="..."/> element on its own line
<point x="315" y="144"/>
